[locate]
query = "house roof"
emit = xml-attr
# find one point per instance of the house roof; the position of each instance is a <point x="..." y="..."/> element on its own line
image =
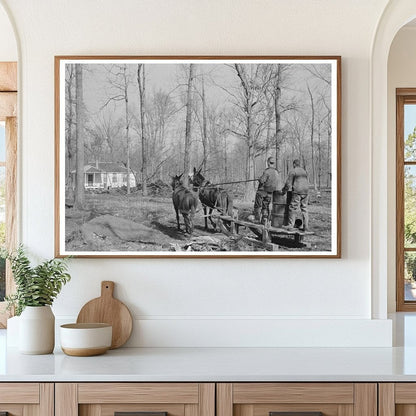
<point x="104" y="167"/>
<point x="91" y="169"/>
<point x="112" y="167"/>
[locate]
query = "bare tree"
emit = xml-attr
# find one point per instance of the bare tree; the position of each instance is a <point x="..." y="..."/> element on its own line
<point x="70" y="147"/>
<point x="79" y="186"/>
<point x="279" y="75"/>
<point x="204" y="127"/>
<point x="277" y="92"/>
<point x="160" y="115"/>
<point x="251" y="116"/>
<point x="141" y="80"/>
<point x="119" y="81"/>
<point x="187" y="158"/>
<point x="312" y="128"/>
<point x="108" y="131"/>
<point x="297" y="128"/>
<point x="322" y="75"/>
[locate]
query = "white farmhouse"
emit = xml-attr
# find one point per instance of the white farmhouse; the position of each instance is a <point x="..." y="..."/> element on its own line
<point x="105" y="175"/>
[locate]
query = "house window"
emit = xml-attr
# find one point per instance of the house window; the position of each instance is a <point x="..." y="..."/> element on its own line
<point x="406" y="199"/>
<point x="90" y="179"/>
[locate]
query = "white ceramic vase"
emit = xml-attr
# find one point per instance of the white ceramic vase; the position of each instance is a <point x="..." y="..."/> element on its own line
<point x="37" y="330"/>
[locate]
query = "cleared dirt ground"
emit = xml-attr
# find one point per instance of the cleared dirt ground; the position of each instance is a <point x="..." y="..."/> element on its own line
<point x="118" y="222"/>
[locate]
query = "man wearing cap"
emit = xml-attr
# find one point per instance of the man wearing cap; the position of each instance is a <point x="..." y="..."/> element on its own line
<point x="268" y="183"/>
<point x="297" y="182"/>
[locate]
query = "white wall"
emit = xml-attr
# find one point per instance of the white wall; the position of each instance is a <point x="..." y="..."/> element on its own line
<point x="401" y="74"/>
<point x="8" y="47"/>
<point x="202" y="302"/>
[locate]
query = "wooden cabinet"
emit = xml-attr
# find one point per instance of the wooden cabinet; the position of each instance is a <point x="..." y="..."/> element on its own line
<point x="108" y="399"/>
<point x="267" y="399"/>
<point x="397" y="399"/>
<point x="27" y="399"/>
<point x="208" y="399"/>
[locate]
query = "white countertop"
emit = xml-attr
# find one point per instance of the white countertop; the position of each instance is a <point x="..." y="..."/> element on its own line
<point x="221" y="364"/>
<point x="215" y="364"/>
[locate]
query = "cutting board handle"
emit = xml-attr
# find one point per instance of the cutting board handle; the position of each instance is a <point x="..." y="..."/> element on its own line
<point x="107" y="288"/>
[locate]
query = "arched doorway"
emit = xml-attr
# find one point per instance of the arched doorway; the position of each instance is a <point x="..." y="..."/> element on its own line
<point x="395" y="16"/>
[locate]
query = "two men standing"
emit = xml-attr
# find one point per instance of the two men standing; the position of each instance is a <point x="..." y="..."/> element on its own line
<point x="297" y="183"/>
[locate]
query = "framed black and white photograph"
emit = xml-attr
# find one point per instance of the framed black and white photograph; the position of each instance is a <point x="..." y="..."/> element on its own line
<point x="198" y="156"/>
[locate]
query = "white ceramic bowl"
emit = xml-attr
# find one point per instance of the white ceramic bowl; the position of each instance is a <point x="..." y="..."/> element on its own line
<point x="84" y="340"/>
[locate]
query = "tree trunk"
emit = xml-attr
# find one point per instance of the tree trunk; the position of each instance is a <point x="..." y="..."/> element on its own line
<point x="126" y="109"/>
<point x="187" y="155"/>
<point x="204" y="128"/>
<point x="141" y="80"/>
<point x="329" y="132"/>
<point x="249" y="188"/>
<point x="70" y="122"/>
<point x="248" y="106"/>
<point x="312" y="137"/>
<point x="225" y="158"/>
<point x="79" y="186"/>
<point x="278" y="133"/>
<point x="267" y="150"/>
<point x="319" y="157"/>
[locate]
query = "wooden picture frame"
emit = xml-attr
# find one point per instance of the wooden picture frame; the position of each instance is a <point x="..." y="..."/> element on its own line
<point x="146" y="123"/>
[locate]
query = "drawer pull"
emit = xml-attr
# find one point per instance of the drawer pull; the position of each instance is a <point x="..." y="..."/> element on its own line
<point x="140" y="414"/>
<point x="295" y="413"/>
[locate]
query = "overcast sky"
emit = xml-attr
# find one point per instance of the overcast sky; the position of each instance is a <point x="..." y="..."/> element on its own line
<point x="172" y="78"/>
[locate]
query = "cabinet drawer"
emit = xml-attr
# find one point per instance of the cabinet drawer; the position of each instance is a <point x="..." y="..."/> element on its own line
<point x="397" y="399"/>
<point x="297" y="399"/>
<point x="138" y="393"/>
<point x="21" y="399"/>
<point x="146" y="399"/>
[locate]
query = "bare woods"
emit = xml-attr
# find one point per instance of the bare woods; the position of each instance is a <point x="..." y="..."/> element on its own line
<point x="158" y="120"/>
<point x="133" y="125"/>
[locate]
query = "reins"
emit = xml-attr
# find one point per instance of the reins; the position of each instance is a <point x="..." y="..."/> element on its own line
<point x="215" y="185"/>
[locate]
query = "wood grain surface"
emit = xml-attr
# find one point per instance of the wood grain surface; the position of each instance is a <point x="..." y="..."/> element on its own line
<point x="107" y="393"/>
<point x="8" y="76"/>
<point x="386" y="399"/>
<point x="22" y="393"/>
<point x="84" y="352"/>
<point x="252" y="393"/>
<point x="66" y="399"/>
<point x="365" y="399"/>
<point x="8" y="105"/>
<point x="109" y="310"/>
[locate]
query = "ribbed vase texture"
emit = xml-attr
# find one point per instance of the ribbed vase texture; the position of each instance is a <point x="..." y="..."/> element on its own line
<point x="37" y="330"/>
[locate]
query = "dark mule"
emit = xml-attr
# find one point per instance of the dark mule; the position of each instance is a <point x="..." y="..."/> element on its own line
<point x="212" y="197"/>
<point x="185" y="202"/>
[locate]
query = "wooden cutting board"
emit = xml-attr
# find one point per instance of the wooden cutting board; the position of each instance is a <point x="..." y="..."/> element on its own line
<point x="107" y="309"/>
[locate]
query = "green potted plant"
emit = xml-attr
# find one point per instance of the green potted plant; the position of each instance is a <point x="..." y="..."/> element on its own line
<point x="36" y="289"/>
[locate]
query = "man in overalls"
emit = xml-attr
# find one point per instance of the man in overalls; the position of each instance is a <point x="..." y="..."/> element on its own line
<point x="268" y="183"/>
<point x="297" y="182"/>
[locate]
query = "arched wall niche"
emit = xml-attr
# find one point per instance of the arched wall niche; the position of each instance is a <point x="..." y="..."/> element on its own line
<point x="9" y="50"/>
<point x="397" y="14"/>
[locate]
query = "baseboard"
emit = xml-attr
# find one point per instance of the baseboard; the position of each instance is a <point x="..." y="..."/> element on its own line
<point x="189" y="332"/>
